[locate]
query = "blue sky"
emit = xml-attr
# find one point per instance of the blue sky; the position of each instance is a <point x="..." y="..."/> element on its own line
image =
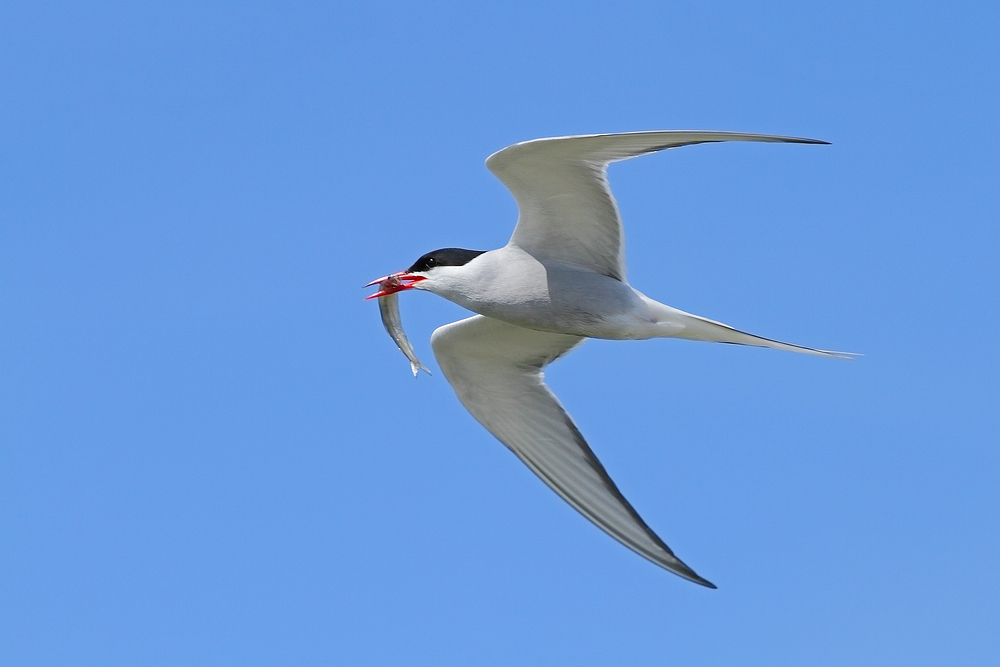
<point x="212" y="454"/>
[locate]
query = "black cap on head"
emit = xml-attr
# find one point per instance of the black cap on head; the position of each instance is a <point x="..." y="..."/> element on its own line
<point x="444" y="257"/>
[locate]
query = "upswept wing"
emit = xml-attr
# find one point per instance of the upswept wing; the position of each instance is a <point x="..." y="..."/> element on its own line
<point x="496" y="371"/>
<point x="567" y="211"/>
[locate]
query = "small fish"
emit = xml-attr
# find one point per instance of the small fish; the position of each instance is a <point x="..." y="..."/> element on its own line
<point x="388" y="306"/>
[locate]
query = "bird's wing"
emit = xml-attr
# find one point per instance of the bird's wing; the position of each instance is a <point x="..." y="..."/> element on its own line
<point x="496" y="370"/>
<point x="566" y="209"/>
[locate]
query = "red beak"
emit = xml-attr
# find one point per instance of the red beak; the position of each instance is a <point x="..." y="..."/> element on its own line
<point x="394" y="282"/>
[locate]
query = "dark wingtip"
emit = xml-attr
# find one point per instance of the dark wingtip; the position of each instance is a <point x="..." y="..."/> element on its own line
<point x="691" y="576"/>
<point x="681" y="569"/>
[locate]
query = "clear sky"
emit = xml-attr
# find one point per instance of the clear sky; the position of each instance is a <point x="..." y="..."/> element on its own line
<point x="212" y="454"/>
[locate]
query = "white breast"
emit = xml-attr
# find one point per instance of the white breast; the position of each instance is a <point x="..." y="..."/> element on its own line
<point x="510" y="285"/>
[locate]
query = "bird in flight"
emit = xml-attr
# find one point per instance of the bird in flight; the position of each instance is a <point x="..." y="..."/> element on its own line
<point x="559" y="280"/>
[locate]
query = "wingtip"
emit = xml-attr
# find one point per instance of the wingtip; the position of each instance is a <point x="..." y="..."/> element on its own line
<point x="680" y="568"/>
<point x="693" y="577"/>
<point x="807" y="140"/>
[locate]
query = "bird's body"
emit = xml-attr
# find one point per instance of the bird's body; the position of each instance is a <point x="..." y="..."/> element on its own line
<point x="511" y="285"/>
<point x="560" y="279"/>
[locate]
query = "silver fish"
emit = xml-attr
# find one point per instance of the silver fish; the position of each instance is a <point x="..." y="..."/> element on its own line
<point x="388" y="306"/>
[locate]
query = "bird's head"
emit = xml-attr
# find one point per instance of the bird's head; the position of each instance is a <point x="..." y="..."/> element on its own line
<point x="436" y="266"/>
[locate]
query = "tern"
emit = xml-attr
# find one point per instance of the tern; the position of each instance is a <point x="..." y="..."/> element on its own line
<point x="560" y="279"/>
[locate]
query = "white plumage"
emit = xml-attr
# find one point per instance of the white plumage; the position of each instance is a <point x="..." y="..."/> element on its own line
<point x="560" y="279"/>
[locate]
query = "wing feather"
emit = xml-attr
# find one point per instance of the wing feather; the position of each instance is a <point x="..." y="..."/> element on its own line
<point x="496" y="371"/>
<point x="566" y="209"/>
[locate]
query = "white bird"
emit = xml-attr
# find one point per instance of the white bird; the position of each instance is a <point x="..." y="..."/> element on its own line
<point x="559" y="280"/>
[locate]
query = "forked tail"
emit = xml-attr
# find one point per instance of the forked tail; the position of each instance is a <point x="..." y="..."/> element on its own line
<point x="694" y="327"/>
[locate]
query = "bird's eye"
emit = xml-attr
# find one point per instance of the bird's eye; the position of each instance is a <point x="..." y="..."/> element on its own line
<point x="431" y="261"/>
